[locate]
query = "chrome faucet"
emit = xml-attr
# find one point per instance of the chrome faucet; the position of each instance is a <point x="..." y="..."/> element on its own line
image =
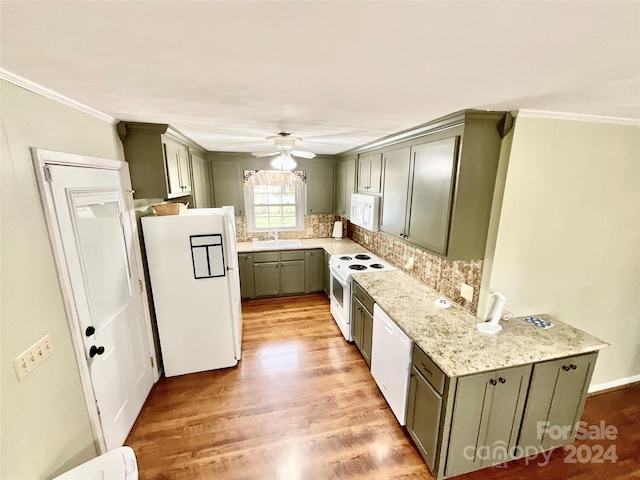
<point x="274" y="234"/>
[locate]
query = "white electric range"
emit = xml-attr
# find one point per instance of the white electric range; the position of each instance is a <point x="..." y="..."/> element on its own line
<point x="341" y="268"/>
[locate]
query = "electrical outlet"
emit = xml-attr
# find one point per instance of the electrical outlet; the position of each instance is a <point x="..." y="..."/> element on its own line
<point x="30" y="359"/>
<point x="466" y="292"/>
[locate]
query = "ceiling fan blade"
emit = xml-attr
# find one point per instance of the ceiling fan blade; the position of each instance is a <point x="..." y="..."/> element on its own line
<point x="302" y="153"/>
<point x="264" y="154"/>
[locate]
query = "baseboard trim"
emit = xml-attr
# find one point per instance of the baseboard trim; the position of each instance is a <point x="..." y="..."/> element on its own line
<point x="53" y="95"/>
<point x="621" y="382"/>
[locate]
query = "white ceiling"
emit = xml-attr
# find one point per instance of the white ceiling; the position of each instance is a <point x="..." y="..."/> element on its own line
<point x="338" y="74"/>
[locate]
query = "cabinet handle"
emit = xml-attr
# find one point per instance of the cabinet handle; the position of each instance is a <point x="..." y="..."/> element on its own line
<point x="565" y="368"/>
<point x="426" y="369"/>
<point x="502" y="380"/>
<point x="493" y="382"/>
<point x="572" y="366"/>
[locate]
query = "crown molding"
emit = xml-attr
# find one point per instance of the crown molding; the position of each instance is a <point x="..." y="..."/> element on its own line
<point x="577" y="117"/>
<point x="52" y="95"/>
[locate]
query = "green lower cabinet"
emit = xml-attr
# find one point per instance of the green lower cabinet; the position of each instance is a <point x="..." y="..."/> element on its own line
<point x="327" y="275"/>
<point x="556" y="401"/>
<point x="362" y="321"/>
<point x="281" y="273"/>
<point x="314" y="269"/>
<point x="292" y="278"/>
<point x="266" y="279"/>
<point x="245" y="267"/>
<point x="424" y="408"/>
<point x="486" y="419"/>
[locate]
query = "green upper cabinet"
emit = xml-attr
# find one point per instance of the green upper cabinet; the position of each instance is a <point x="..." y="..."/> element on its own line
<point x="417" y="193"/>
<point x="370" y="173"/>
<point x="394" y="193"/>
<point x="320" y="188"/>
<point x="438" y="187"/>
<point x="159" y="159"/>
<point x="227" y="185"/>
<point x="202" y="188"/>
<point x="345" y="186"/>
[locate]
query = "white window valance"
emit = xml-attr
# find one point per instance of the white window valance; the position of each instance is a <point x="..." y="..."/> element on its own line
<point x="274" y="177"/>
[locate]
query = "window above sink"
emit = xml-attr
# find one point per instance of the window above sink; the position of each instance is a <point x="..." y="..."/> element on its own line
<point x="274" y="200"/>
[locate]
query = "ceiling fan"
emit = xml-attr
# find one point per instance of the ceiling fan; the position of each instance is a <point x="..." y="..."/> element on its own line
<point x="284" y="143"/>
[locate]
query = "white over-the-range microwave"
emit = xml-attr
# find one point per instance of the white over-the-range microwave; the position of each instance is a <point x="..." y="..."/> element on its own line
<point x="365" y="211"/>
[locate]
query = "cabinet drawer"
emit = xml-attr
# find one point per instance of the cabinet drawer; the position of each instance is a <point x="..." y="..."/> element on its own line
<point x="363" y="296"/>
<point x="428" y="369"/>
<point x="292" y="255"/>
<point x="265" y="257"/>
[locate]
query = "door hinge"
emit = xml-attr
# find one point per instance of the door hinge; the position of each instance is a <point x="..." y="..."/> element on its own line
<point x="47" y="173"/>
<point x="140" y="285"/>
<point x="97" y="407"/>
<point x="153" y="364"/>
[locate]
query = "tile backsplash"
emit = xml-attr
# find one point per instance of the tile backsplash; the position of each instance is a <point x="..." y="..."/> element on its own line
<point x="315" y="226"/>
<point x="442" y="275"/>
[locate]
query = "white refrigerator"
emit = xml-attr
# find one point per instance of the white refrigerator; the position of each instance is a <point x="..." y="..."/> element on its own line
<point x="193" y="268"/>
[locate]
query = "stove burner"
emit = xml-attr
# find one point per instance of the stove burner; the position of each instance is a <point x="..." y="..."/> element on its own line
<point x="357" y="266"/>
<point x="376" y="265"/>
<point x="362" y="256"/>
<point x="345" y="258"/>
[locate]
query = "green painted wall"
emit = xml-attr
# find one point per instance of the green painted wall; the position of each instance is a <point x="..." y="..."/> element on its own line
<point x="44" y="422"/>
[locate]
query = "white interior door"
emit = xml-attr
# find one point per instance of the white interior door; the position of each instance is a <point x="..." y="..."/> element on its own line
<point x="98" y="243"/>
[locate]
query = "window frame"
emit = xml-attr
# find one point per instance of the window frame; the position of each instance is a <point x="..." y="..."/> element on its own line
<point x="250" y="207"/>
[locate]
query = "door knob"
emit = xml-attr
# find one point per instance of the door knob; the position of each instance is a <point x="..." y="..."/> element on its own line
<point x="90" y="330"/>
<point x="501" y="380"/>
<point x="565" y="368"/>
<point x="93" y="351"/>
<point x="493" y="382"/>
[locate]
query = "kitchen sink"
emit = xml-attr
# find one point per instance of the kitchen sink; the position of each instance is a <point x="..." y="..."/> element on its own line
<point x="271" y="244"/>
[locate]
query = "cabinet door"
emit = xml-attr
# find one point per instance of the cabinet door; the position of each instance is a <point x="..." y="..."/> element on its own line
<point x="433" y="177"/>
<point x="227" y="186"/>
<point x="394" y="196"/>
<point x="424" y="407"/>
<point x="172" y="165"/>
<point x="266" y="279"/>
<point x="320" y="188"/>
<point x="375" y="173"/>
<point x="487" y="414"/>
<point x="327" y="274"/>
<point x="314" y="271"/>
<point x="184" y="164"/>
<point x="556" y="398"/>
<point x="356" y="322"/>
<point x="245" y="265"/>
<point x="292" y="277"/>
<point x="367" y="335"/>
<point x="201" y="188"/>
<point x="364" y="173"/>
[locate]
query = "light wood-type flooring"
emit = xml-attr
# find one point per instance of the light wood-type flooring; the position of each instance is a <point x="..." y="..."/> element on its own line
<point x="302" y="405"/>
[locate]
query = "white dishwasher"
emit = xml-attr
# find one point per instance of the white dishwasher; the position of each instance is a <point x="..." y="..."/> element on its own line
<point x="390" y="362"/>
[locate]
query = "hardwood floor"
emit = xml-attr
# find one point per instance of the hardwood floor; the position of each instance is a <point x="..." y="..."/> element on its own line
<point x="302" y="405"/>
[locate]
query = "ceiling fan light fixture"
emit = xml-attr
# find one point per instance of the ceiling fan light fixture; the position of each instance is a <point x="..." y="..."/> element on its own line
<point x="284" y="162"/>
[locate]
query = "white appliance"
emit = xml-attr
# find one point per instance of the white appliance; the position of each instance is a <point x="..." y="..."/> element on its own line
<point x="193" y="267"/>
<point x="341" y="267"/>
<point x="390" y="362"/>
<point x="365" y="211"/>
<point x="117" y="464"/>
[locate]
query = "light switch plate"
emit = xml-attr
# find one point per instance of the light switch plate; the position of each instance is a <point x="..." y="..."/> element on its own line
<point x="466" y="292"/>
<point x="30" y="359"/>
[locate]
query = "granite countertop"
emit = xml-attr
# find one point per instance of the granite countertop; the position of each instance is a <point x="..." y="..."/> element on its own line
<point x="343" y="246"/>
<point x="450" y="338"/>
